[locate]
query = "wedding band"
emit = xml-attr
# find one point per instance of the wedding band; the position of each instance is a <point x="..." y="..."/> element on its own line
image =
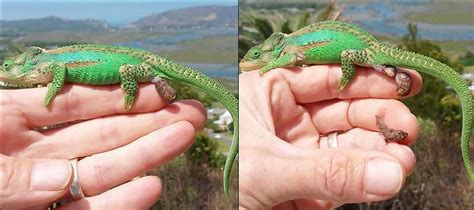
<point x="332" y="140"/>
<point x="75" y="188"/>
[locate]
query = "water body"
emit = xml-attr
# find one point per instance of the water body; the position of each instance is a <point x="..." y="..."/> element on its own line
<point x="383" y="18"/>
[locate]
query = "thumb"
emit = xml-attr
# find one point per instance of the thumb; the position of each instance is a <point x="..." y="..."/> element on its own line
<point x="31" y="183"/>
<point x="336" y="175"/>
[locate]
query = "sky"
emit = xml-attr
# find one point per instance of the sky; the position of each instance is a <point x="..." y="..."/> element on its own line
<point x="116" y="12"/>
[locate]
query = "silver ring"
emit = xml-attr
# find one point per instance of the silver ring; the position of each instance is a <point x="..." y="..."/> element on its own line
<point x="332" y="140"/>
<point x="75" y="188"/>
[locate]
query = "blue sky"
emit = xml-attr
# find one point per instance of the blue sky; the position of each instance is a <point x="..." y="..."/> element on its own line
<point x="115" y="12"/>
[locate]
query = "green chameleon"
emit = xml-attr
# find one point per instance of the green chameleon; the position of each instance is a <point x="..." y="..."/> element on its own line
<point x="106" y="65"/>
<point x="338" y="42"/>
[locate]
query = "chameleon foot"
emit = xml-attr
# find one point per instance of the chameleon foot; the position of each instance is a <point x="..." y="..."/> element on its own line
<point x="403" y="81"/>
<point x="389" y="134"/>
<point x="164" y="89"/>
<point x="388" y="70"/>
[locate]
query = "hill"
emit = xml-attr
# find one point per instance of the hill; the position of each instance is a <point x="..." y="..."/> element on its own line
<point x="199" y="16"/>
<point x="53" y="23"/>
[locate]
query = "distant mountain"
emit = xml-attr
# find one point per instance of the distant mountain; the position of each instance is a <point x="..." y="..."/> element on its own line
<point x="54" y="24"/>
<point x="199" y="16"/>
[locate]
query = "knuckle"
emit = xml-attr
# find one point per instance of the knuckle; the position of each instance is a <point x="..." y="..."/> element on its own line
<point x="337" y="175"/>
<point x="109" y="134"/>
<point x="6" y="171"/>
<point x="100" y="174"/>
<point x="146" y="156"/>
<point x="72" y="103"/>
<point x="8" y="168"/>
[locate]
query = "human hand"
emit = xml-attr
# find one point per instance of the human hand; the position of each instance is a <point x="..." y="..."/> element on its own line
<point x="284" y="163"/>
<point x="35" y="171"/>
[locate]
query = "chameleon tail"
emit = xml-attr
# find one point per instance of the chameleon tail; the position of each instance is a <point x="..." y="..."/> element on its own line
<point x="437" y="69"/>
<point x="170" y="70"/>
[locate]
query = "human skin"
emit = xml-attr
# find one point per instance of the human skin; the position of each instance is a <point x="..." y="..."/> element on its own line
<point x="116" y="147"/>
<point x="284" y="160"/>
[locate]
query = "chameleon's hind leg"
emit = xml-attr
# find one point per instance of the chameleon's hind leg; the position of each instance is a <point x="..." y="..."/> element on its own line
<point x="164" y="89"/>
<point x="388" y="133"/>
<point x="129" y="84"/>
<point x="402" y="79"/>
<point x="59" y="75"/>
<point x="348" y="59"/>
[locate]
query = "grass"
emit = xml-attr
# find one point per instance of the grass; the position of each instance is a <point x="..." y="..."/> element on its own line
<point x="453" y="48"/>
<point x="469" y="69"/>
<point x="218" y="49"/>
<point x="452" y="13"/>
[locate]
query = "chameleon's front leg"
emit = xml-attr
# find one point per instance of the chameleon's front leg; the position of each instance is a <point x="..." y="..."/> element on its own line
<point x="59" y="75"/>
<point x="348" y="59"/>
<point x="288" y="59"/>
<point x="129" y="84"/>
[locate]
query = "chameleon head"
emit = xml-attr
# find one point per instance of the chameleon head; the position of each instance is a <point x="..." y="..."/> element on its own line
<point x="260" y="55"/>
<point x="22" y="71"/>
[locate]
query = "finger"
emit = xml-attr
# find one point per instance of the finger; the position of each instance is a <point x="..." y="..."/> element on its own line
<point x="101" y="172"/>
<point x="319" y="82"/>
<point x="335" y="175"/>
<point x="140" y="193"/>
<point x="28" y="183"/>
<point x="103" y="134"/>
<point x="79" y="102"/>
<point x="335" y="115"/>
<point x="369" y="140"/>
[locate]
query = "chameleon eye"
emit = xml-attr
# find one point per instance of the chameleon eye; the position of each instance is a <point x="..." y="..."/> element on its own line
<point x="255" y="54"/>
<point x="7" y="65"/>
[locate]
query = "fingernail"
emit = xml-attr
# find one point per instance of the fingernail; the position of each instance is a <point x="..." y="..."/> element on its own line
<point x="51" y="175"/>
<point x="382" y="177"/>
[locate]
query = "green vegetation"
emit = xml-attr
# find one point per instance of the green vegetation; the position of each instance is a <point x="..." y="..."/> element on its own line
<point x="219" y="49"/>
<point x="194" y="180"/>
<point x="453" y="13"/>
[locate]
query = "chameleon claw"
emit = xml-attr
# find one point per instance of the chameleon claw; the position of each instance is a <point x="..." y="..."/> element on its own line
<point x="128" y="103"/>
<point x="342" y="85"/>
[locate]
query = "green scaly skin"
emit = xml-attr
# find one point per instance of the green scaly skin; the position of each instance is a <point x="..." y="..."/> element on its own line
<point x="106" y="65"/>
<point x="334" y="42"/>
